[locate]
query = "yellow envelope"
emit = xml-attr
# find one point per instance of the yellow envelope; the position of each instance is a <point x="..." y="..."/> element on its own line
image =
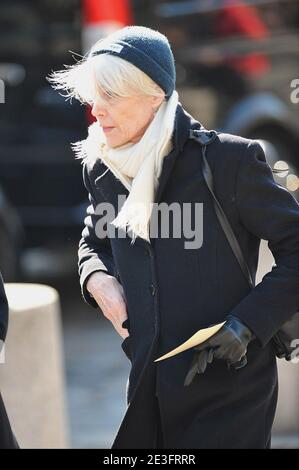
<point x="199" y="337"/>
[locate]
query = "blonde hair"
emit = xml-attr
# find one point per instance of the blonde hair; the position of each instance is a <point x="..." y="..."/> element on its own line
<point x="111" y="74"/>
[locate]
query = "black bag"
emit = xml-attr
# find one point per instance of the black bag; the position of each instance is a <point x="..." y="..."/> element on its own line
<point x="286" y="339"/>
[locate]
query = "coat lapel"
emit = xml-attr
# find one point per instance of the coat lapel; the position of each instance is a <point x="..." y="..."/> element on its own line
<point x="183" y="123"/>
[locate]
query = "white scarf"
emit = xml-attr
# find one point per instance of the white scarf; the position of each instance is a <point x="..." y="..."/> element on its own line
<point x="136" y="165"/>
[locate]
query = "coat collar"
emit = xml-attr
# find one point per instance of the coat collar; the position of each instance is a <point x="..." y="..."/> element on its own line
<point x="183" y="123"/>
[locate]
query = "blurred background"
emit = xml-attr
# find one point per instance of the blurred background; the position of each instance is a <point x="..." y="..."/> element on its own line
<point x="237" y="68"/>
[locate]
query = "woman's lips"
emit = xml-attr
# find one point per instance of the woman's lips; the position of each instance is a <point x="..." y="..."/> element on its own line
<point x="107" y="129"/>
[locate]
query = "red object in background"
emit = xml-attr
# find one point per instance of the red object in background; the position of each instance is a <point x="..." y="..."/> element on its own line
<point x="240" y="18"/>
<point x="90" y="118"/>
<point x="97" y="11"/>
<point x="100" y="18"/>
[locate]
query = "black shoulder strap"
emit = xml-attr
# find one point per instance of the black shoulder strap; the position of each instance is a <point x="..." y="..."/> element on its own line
<point x="204" y="138"/>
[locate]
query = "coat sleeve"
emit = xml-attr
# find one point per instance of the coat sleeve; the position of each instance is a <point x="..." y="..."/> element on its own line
<point x="3" y="312"/>
<point x="270" y="212"/>
<point x="94" y="253"/>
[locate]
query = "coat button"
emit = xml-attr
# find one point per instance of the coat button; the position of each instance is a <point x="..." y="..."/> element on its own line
<point x="153" y="289"/>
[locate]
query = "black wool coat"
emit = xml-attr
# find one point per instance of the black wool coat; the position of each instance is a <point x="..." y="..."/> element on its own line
<point x="172" y="291"/>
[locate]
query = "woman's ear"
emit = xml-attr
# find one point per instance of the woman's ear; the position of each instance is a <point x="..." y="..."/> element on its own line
<point x="157" y="101"/>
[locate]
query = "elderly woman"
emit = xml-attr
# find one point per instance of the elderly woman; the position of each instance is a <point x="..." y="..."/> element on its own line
<point x="157" y="290"/>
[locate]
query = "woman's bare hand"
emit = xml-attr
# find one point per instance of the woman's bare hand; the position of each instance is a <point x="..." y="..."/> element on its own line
<point x="109" y="295"/>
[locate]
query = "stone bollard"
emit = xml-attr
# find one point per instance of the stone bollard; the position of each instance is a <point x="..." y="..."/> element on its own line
<point x="287" y="413"/>
<point x="32" y="379"/>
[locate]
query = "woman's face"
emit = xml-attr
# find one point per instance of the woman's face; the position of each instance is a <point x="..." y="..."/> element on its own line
<point x="124" y="119"/>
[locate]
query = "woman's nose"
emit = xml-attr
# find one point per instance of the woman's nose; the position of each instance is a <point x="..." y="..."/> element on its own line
<point x="98" y="109"/>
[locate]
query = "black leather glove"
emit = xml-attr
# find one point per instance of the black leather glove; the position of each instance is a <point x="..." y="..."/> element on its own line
<point x="229" y="343"/>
